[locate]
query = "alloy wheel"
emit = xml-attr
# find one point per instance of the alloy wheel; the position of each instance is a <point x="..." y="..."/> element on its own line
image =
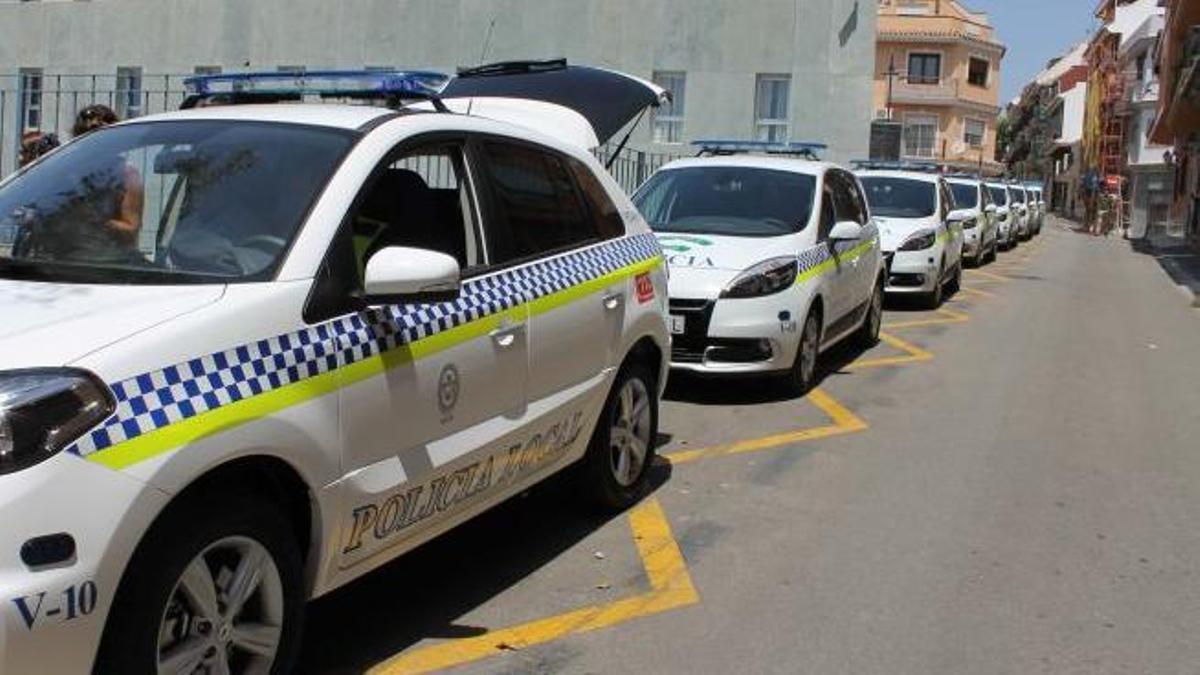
<point x="629" y="437"/>
<point x="226" y="613"/>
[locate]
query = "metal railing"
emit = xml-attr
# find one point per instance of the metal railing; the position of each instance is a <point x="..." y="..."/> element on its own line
<point x="632" y="167"/>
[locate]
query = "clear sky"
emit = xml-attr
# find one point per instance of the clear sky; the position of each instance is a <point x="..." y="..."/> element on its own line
<point x="1034" y="31"/>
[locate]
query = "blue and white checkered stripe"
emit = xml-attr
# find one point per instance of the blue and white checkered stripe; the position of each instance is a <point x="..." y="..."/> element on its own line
<point x="159" y="398"/>
<point x="814" y="256"/>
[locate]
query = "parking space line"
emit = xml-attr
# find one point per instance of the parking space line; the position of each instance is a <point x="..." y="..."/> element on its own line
<point x="976" y="291"/>
<point x="948" y="316"/>
<point x="987" y="275"/>
<point x="670" y="588"/>
<point x="843" y="422"/>
<point x="914" y="354"/>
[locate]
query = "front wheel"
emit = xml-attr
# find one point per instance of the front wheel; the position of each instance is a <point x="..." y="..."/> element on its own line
<point x="868" y="335"/>
<point x="956" y="280"/>
<point x="214" y="588"/>
<point x="615" y="471"/>
<point x="933" y="299"/>
<point x="803" y="374"/>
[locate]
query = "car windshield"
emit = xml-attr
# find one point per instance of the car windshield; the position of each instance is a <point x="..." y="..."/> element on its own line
<point x="1018" y="197"/>
<point x="965" y="196"/>
<point x="735" y="201"/>
<point x="893" y="197"/>
<point x="166" y="202"/>
<point x="999" y="195"/>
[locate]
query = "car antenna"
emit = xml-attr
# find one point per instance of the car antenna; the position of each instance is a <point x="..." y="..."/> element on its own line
<point x="487" y="45"/>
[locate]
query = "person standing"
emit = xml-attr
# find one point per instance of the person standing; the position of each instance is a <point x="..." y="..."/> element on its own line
<point x="123" y="210"/>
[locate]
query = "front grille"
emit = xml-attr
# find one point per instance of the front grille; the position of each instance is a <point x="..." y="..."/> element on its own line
<point x="909" y="280"/>
<point x="739" y="350"/>
<point x="689" y="347"/>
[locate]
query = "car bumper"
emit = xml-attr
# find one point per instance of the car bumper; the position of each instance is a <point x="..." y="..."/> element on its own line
<point x="741" y="336"/>
<point x="54" y="615"/>
<point x="914" y="271"/>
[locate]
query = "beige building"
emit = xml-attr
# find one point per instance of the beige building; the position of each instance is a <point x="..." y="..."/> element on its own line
<point x="944" y="65"/>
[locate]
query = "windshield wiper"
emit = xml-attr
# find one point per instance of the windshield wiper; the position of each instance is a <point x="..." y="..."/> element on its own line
<point x="52" y="270"/>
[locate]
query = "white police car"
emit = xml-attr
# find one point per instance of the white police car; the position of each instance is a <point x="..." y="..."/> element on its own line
<point x="975" y="210"/>
<point x="250" y="353"/>
<point x="918" y="231"/>
<point x="772" y="259"/>
<point x="1037" y="198"/>
<point x="1005" y="218"/>
<point x="1024" y="210"/>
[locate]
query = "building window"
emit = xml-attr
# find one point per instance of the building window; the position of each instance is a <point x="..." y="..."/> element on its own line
<point x="977" y="71"/>
<point x="668" y="118"/>
<point x="973" y="133"/>
<point x="772" y="95"/>
<point x="924" y="68"/>
<point x="920" y="135"/>
<point x="31" y="99"/>
<point x="129" y="92"/>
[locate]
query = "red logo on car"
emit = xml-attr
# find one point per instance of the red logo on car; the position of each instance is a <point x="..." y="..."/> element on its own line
<point x="645" y="288"/>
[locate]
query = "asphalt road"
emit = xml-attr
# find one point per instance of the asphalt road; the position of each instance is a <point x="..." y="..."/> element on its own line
<point x="1009" y="486"/>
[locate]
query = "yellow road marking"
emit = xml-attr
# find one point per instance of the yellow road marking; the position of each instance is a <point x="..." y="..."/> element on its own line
<point x="987" y="275"/>
<point x="914" y="355"/>
<point x="670" y="588"/>
<point x="843" y="422"/>
<point x="975" y="291"/>
<point x="947" y="316"/>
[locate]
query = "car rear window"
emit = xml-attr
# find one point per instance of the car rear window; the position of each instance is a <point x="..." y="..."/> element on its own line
<point x="895" y="197"/>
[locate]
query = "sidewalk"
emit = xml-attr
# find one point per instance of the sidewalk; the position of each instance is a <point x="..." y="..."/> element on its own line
<point x="1180" y="261"/>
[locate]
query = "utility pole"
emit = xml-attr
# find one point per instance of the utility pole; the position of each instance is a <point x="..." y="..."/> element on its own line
<point x="891" y="74"/>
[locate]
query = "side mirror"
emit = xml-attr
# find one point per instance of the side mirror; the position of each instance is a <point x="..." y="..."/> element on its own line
<point x="847" y="230"/>
<point x="958" y="216"/>
<point x="991" y="208"/>
<point x="397" y="275"/>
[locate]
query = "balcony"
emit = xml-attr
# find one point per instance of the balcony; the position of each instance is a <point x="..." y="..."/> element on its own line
<point x="946" y="92"/>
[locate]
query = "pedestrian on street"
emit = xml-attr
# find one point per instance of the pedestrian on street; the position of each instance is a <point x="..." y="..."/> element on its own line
<point x="34" y="144"/>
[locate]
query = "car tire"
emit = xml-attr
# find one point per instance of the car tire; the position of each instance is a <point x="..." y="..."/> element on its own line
<point x="615" y="472"/>
<point x="956" y="280"/>
<point x="868" y="334"/>
<point x="933" y="299"/>
<point x="200" y="545"/>
<point x="802" y="376"/>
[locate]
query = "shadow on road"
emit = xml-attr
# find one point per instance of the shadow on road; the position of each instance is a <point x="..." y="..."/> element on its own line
<point x="1178" y="260"/>
<point x="423" y="594"/>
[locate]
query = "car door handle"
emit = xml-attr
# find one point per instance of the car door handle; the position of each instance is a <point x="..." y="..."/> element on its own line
<point x="506" y="336"/>
<point x="613" y="301"/>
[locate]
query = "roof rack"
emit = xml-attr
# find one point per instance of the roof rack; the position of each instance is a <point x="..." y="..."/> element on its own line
<point x="392" y="87"/>
<point x="884" y="165"/>
<point x="718" y="147"/>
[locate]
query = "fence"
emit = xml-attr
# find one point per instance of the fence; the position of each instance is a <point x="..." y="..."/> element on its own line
<point x="32" y="101"/>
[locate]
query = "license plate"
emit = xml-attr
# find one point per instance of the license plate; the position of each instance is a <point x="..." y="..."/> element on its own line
<point x="678" y="325"/>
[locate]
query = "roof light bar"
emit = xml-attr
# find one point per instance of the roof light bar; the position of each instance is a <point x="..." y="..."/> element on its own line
<point x="350" y="84"/>
<point x="876" y="165"/>
<point x="731" y="147"/>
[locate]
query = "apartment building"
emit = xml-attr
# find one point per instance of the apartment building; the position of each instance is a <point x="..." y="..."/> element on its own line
<point x="937" y="72"/>
<point x="1177" y="120"/>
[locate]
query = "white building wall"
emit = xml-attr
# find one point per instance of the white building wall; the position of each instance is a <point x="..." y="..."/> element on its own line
<point x="826" y="46"/>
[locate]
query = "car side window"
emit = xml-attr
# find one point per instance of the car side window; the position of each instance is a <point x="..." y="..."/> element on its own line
<point x="421" y="199"/>
<point x="947" y="199"/>
<point x="535" y="206"/>
<point x="604" y="213"/>
<point x="847" y="203"/>
<point x="828" y="213"/>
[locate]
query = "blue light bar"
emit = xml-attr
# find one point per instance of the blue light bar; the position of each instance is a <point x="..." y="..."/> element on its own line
<point x="723" y="146"/>
<point x="324" y="83"/>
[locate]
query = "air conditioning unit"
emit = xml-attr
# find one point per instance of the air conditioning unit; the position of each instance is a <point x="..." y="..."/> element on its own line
<point x="882" y="114"/>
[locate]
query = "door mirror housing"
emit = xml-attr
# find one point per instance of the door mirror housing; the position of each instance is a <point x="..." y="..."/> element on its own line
<point x="398" y="275"/>
<point x="991" y="208"/>
<point x="845" y="231"/>
<point x="960" y="216"/>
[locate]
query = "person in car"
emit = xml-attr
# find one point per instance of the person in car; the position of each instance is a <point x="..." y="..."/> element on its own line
<point x="120" y="193"/>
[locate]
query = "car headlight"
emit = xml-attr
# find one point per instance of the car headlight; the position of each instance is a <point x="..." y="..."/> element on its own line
<point x="919" y="241"/>
<point x="765" y="278"/>
<point x="44" y="410"/>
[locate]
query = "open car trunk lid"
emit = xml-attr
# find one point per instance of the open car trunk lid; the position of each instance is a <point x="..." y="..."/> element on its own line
<point x="531" y="93"/>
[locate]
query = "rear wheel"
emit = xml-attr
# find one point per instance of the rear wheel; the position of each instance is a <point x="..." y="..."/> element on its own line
<point x="214" y="588"/>
<point x="615" y="471"/>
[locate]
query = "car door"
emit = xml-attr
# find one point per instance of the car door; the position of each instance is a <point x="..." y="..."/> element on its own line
<point x="866" y="253"/>
<point x="838" y="281"/>
<point x="954" y="232"/>
<point x="538" y="221"/>
<point x="443" y="384"/>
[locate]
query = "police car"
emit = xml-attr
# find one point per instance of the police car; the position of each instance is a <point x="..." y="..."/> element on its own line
<point x="1005" y="219"/>
<point x="974" y="207"/>
<point x="1024" y="210"/>
<point x="1038" y="200"/>
<point x="252" y="352"/>
<point x="773" y="259"/>
<point x="918" y="228"/>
